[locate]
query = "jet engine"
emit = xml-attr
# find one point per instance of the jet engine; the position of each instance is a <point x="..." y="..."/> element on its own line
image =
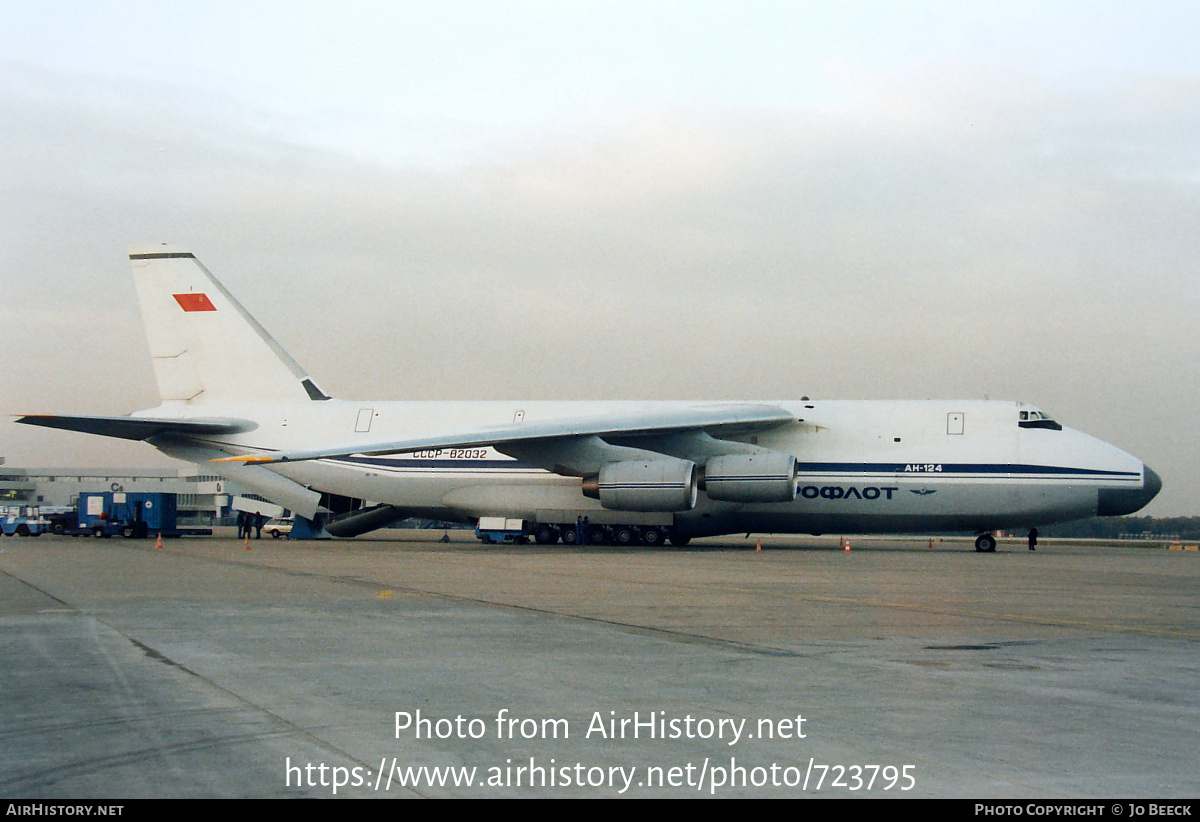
<point x="758" y="477"/>
<point x="645" y="485"/>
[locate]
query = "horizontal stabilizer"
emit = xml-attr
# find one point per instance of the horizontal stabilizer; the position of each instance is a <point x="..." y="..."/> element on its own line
<point x="266" y="483"/>
<point x="140" y="428"/>
<point x="728" y="420"/>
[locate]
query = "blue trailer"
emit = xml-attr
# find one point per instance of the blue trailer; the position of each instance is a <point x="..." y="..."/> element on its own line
<point x="134" y="515"/>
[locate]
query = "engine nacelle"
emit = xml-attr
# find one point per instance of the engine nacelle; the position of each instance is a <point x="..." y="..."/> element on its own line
<point x="760" y="477"/>
<point x="645" y="485"/>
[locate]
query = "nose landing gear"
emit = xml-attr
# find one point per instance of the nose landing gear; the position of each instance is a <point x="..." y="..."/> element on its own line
<point x="985" y="543"/>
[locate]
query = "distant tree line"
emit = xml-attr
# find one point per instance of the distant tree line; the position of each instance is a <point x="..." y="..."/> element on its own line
<point x="1182" y="528"/>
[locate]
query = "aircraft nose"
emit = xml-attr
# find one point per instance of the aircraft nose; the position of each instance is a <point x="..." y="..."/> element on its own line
<point x="1118" y="502"/>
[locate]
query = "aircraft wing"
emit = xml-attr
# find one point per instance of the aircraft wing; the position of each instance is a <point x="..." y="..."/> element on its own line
<point x="725" y="419"/>
<point x="139" y="428"/>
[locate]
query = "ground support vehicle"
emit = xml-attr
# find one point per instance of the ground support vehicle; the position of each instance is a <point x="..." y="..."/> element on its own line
<point x="499" y="530"/>
<point x="23" y="521"/>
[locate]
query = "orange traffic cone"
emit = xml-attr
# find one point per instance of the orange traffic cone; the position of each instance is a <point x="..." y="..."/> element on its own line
<point x="758" y="547"/>
<point x="246" y="547"/>
<point x="931" y="543"/>
<point x="846" y="545"/>
<point x="158" y="546"/>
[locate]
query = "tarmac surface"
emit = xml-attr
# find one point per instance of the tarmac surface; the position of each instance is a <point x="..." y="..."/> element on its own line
<point x="920" y="669"/>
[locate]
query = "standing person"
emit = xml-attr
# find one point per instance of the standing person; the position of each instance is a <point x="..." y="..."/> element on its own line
<point x="259" y="519"/>
<point x="243" y="530"/>
<point x="1033" y="539"/>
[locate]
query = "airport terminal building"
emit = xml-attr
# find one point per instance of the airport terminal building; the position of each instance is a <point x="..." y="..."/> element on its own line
<point x="202" y="499"/>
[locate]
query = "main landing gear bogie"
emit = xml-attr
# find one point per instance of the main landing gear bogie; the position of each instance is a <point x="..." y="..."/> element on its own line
<point x="624" y="535"/>
<point x="545" y="534"/>
<point x="619" y="535"/>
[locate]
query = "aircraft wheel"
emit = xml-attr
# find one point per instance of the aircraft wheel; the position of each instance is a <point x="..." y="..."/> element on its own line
<point x="679" y="540"/>
<point x="652" y="536"/>
<point x="624" y="535"/>
<point x="985" y="543"/>
<point x="569" y="535"/>
<point x="545" y="535"/>
<point x="596" y="536"/>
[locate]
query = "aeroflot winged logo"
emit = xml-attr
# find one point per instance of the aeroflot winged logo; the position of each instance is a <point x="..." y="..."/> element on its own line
<point x="194" y="302"/>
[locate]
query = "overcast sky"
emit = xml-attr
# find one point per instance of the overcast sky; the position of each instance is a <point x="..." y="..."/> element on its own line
<point x="618" y="201"/>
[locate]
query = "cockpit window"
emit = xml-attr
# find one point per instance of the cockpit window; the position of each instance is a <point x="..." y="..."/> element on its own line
<point x="1037" y="419"/>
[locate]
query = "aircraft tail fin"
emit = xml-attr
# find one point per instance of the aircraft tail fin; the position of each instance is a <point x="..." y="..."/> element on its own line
<point x="205" y="346"/>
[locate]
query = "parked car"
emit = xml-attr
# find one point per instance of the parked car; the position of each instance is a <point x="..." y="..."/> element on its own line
<point x="278" y="528"/>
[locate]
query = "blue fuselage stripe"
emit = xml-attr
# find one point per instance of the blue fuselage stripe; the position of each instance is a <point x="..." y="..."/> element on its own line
<point x="427" y="464"/>
<point x="957" y="469"/>
<point x="804" y="469"/>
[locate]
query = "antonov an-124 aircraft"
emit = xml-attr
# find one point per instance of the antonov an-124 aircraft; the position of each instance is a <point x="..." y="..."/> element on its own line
<point x="234" y="401"/>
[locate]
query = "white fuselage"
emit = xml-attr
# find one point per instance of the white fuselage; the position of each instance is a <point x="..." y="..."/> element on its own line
<point x="863" y="466"/>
